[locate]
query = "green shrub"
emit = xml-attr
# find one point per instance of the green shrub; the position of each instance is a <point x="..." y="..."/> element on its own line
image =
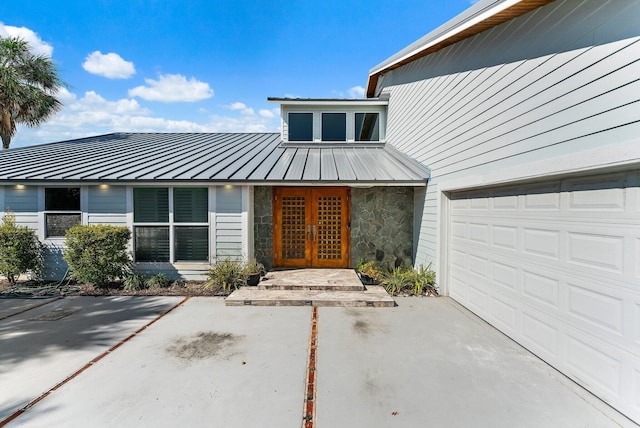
<point x="424" y="280"/>
<point x="410" y="281"/>
<point x="226" y="273"/>
<point x="158" y="280"/>
<point x="20" y="250"/>
<point x="253" y="267"/>
<point x="370" y="272"/>
<point x="135" y="282"/>
<point x="395" y="281"/>
<point x="97" y="254"/>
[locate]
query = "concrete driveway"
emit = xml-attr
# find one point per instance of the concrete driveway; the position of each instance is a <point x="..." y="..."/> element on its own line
<point x="426" y="363"/>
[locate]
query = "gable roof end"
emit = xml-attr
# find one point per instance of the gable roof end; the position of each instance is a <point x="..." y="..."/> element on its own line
<point x="478" y="18"/>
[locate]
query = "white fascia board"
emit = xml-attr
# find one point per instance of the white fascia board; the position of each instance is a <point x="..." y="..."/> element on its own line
<point x="345" y="102"/>
<point x="455" y="29"/>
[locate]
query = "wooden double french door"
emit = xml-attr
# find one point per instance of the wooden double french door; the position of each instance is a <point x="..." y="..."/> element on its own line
<point x="311" y="227"/>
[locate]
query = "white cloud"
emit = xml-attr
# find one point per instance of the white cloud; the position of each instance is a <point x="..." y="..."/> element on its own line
<point x="242" y="107"/>
<point x="96" y="103"/>
<point x="172" y="88"/>
<point x="266" y="113"/>
<point x="109" y="65"/>
<point x="65" y="96"/>
<point x="356" y="92"/>
<point x="37" y="45"/>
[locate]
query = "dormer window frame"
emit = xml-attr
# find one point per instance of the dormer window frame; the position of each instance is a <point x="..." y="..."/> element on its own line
<point x="318" y="107"/>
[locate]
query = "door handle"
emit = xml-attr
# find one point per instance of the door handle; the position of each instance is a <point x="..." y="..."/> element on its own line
<point x="308" y="232"/>
<point x="313" y="227"/>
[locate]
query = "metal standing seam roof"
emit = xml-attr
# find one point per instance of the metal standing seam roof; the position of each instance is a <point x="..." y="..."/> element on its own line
<point x="251" y="158"/>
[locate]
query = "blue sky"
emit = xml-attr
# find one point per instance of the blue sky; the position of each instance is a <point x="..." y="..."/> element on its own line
<point x="207" y="65"/>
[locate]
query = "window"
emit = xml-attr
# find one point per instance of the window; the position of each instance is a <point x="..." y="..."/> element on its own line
<point x="300" y="126"/>
<point x="367" y="127"/>
<point x="334" y="127"/>
<point x="191" y="206"/>
<point x="62" y="210"/>
<point x="152" y="225"/>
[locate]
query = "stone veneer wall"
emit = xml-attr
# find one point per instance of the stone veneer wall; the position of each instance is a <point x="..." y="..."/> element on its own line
<point x="262" y="225"/>
<point x="382" y="225"/>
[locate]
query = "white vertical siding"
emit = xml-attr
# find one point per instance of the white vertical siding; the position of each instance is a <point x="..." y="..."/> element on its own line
<point x="228" y="223"/>
<point x="247" y="222"/>
<point x="560" y="80"/>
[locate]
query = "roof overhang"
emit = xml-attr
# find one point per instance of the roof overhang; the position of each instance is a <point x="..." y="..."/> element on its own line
<point x="329" y="101"/>
<point x="480" y="17"/>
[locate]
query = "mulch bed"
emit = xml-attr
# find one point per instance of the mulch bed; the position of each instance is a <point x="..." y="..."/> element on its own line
<point x="177" y="288"/>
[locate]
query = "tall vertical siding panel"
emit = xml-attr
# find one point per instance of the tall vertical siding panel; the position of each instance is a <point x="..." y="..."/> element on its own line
<point x="559" y="80"/>
<point x="107" y="205"/>
<point x="228" y="220"/>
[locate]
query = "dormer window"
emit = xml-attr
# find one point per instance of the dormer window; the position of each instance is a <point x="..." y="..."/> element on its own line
<point x="367" y="127"/>
<point x="333" y="121"/>
<point x="300" y="126"/>
<point x="334" y="127"/>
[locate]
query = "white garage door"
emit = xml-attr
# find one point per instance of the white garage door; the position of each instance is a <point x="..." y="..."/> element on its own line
<point x="556" y="266"/>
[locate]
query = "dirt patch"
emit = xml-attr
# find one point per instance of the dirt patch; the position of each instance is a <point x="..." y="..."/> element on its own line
<point x="362" y="328"/>
<point x="365" y="326"/>
<point x="203" y="345"/>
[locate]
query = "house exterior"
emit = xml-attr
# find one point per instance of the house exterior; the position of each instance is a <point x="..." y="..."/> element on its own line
<point x="190" y="199"/>
<point x="503" y="149"/>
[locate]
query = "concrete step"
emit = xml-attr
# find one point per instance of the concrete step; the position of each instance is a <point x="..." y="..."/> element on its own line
<point x="313" y="287"/>
<point x="374" y="296"/>
<point x="312" y="280"/>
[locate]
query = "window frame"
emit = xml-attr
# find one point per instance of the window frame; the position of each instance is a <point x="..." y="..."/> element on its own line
<point x="172" y="224"/>
<point x="47" y="212"/>
<point x="350" y="113"/>
<point x="313" y="126"/>
<point x="345" y="115"/>
<point x="355" y="126"/>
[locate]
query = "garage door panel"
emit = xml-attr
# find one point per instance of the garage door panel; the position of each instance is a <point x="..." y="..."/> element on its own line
<point x="458" y="259"/>
<point x="539" y="336"/>
<point x="541" y="242"/>
<point x="594" y="366"/>
<point x="504" y="275"/>
<point x="505" y="199"/>
<point x="601" y="310"/>
<point x="459" y="229"/>
<point x="596" y="194"/>
<point x="504" y="236"/>
<point x="477" y="298"/>
<point x="479" y="233"/>
<point x="542" y="289"/>
<point x="543" y="198"/>
<point x="479" y="266"/>
<point x="556" y="266"/>
<point x="459" y="290"/>
<point x="597" y="251"/>
<point x="505" y="314"/>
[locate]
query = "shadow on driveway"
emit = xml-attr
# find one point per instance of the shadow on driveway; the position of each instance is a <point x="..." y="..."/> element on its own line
<point x="43" y="346"/>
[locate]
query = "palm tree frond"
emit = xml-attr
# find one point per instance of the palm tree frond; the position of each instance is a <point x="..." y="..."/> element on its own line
<point x="29" y="84"/>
